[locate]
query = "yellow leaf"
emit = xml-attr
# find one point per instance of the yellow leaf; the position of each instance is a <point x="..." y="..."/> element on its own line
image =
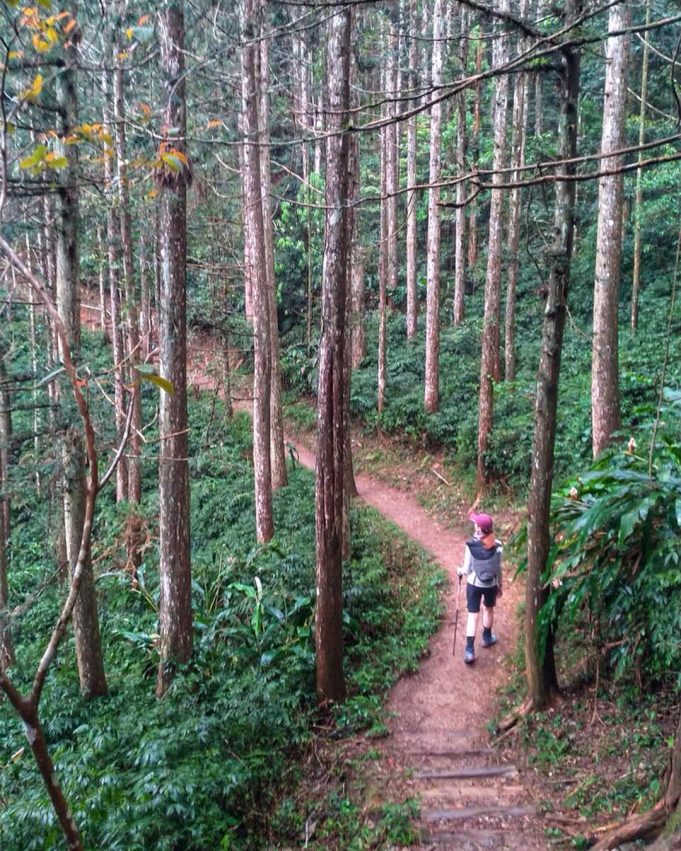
<point x="42" y="45"/>
<point x="158" y="380"/>
<point x="71" y="24"/>
<point x="15" y="54"/>
<point x="122" y="54"/>
<point x="32" y="92"/>
<point x="143" y="20"/>
<point x="152" y="193"/>
<point x="130" y="33"/>
<point x="214" y="122"/>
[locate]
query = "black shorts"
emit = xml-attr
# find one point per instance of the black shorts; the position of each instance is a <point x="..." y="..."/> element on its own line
<point x="475" y="595"/>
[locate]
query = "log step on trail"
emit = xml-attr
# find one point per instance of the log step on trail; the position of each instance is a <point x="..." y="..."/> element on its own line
<point x="467" y="773"/>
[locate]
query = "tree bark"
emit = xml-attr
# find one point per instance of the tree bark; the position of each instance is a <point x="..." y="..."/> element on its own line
<point x="255" y="236"/>
<point x="382" y="366"/>
<point x="330" y="464"/>
<point x="113" y="233"/>
<point x="605" y="396"/>
<point x="472" y="250"/>
<point x="277" y="448"/>
<point x="490" y="370"/>
<point x="85" y="619"/>
<point x="432" y="368"/>
<point x="518" y="135"/>
<point x="175" y="605"/>
<point x="540" y="666"/>
<point x="6" y="645"/>
<point x="134" y="483"/>
<point x="412" y="196"/>
<point x="460" y="215"/>
<point x="638" y="202"/>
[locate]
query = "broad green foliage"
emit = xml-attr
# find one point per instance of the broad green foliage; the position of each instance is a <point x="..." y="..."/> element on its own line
<point x="615" y="565"/>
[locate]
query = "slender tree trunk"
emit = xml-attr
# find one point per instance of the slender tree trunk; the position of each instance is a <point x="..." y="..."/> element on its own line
<point x="538" y="78"/>
<point x="330" y="466"/>
<point x="391" y="142"/>
<point x="101" y="254"/>
<point x="175" y="603"/>
<point x="382" y="376"/>
<point x="460" y="216"/>
<point x="113" y="233"/>
<point x="432" y="369"/>
<point x="6" y="646"/>
<point x="277" y="448"/>
<point x="255" y="235"/>
<point x="540" y="668"/>
<point x="134" y="483"/>
<point x="357" y="291"/>
<point x="638" y="203"/>
<point x="518" y="134"/>
<point x="472" y="251"/>
<point x="412" y="197"/>
<point x="85" y="619"/>
<point x="490" y="370"/>
<point x="605" y="397"/>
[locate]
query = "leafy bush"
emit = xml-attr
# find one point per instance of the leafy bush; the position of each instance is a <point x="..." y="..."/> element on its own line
<point x="615" y="563"/>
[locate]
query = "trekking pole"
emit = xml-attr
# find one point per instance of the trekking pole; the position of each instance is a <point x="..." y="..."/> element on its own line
<point x="456" y="616"/>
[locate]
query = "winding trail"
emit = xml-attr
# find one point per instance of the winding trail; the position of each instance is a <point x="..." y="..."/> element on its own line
<point x="438" y="749"/>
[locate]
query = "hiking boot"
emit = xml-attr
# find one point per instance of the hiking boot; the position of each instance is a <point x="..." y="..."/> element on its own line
<point x="489" y="640"/>
<point x="469" y="656"/>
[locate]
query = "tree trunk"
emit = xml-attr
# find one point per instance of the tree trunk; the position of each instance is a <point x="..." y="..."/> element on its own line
<point x="540" y="667"/>
<point x="460" y="215"/>
<point x="255" y="236"/>
<point x="391" y="142"/>
<point x="412" y="196"/>
<point x="605" y="397"/>
<point x="6" y="646"/>
<point x="382" y="376"/>
<point x="330" y="465"/>
<point x="432" y="369"/>
<point x="472" y="251"/>
<point x="638" y="203"/>
<point x="134" y="484"/>
<point x="113" y="233"/>
<point x="490" y="370"/>
<point x="518" y="122"/>
<point x="277" y="448"/>
<point x="357" y="292"/>
<point x="85" y="619"/>
<point x="175" y="604"/>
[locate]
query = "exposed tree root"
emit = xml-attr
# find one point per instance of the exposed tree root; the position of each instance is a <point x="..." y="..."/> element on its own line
<point x="510" y="720"/>
<point x="646" y="826"/>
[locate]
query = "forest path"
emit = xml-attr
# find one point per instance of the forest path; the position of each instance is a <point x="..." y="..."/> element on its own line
<point x="438" y="749"/>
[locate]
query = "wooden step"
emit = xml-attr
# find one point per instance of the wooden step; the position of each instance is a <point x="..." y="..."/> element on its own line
<point x="463" y="813"/>
<point x="467" y="773"/>
<point x="470" y="840"/>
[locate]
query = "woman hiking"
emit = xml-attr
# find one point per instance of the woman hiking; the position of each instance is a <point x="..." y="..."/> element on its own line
<point x="482" y="567"/>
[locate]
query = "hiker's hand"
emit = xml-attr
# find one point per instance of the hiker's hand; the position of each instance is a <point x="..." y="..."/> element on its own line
<point x="500" y="593"/>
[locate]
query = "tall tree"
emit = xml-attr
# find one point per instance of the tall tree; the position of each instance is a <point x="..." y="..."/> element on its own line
<point x="638" y="201"/>
<point x="432" y="369"/>
<point x="6" y="646"/>
<point x="277" y="448"/>
<point x="489" y="363"/>
<point x="412" y="195"/>
<point x="540" y="663"/>
<point x="85" y="617"/>
<point x="175" y="605"/>
<point x="461" y="142"/>
<point x="330" y="465"/>
<point x="254" y="237"/>
<point x="518" y="135"/>
<point x="605" y="396"/>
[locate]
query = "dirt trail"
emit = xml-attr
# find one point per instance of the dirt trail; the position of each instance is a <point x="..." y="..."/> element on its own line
<point x="439" y="749"/>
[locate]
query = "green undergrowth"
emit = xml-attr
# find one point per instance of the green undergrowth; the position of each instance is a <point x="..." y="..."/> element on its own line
<point x="205" y="767"/>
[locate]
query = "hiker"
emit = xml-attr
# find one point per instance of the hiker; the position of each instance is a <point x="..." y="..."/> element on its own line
<point x="482" y="567"/>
